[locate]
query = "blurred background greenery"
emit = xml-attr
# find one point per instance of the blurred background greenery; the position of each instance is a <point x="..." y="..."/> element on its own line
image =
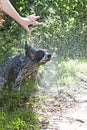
<point x="63" y="29"/>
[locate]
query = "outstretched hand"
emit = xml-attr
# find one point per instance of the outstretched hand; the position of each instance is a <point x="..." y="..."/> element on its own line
<point x="30" y="20"/>
<point x="8" y="8"/>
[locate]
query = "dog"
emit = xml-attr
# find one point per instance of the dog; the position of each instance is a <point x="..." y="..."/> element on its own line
<point x="17" y="69"/>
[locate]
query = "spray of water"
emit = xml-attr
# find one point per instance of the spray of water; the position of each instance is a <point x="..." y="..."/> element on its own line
<point x="47" y="77"/>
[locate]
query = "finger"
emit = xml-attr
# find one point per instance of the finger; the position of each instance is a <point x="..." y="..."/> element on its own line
<point x="28" y="30"/>
<point x="35" y="23"/>
<point x="36" y="17"/>
<point x="33" y="17"/>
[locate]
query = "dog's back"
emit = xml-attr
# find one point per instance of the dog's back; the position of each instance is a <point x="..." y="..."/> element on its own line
<point x="10" y="68"/>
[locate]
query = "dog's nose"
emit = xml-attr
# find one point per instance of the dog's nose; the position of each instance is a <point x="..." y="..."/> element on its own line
<point x="49" y="56"/>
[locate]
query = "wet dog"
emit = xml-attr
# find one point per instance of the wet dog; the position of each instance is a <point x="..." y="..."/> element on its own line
<point x="17" y="69"/>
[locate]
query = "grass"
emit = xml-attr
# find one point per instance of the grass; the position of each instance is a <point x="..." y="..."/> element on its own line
<point x="22" y="119"/>
<point x="63" y="72"/>
<point x="16" y="109"/>
<point x="71" y="71"/>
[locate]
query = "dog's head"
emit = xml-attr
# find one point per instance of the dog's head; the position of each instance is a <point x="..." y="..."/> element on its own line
<point x="40" y="56"/>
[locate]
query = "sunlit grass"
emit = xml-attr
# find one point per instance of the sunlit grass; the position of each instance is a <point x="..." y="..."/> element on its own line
<point x="63" y="72"/>
<point x="82" y="67"/>
<point x="71" y="71"/>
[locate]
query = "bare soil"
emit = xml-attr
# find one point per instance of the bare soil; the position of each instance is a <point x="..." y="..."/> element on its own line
<point x="63" y="108"/>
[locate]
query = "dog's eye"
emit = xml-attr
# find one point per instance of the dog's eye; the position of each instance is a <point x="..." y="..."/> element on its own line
<point x="39" y="55"/>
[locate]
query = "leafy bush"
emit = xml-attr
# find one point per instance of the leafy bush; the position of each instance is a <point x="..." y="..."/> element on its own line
<point x="63" y="28"/>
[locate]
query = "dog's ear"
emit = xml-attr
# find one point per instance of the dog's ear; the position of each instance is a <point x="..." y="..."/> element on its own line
<point x="27" y="47"/>
<point x="29" y="52"/>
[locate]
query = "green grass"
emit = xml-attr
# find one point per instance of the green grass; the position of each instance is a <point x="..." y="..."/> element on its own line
<point x="71" y="71"/>
<point x="22" y="119"/>
<point x="16" y="109"/>
<point x="63" y="72"/>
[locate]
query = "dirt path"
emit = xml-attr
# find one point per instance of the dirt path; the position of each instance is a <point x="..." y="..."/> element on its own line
<point x="63" y="108"/>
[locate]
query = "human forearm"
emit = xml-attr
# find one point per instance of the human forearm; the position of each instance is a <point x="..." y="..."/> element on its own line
<point x="6" y="6"/>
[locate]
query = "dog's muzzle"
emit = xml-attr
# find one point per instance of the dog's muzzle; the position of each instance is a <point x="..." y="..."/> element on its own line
<point x="46" y="58"/>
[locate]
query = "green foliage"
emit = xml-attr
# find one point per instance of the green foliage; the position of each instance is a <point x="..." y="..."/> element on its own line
<point x="64" y="24"/>
<point x="16" y="109"/>
<point x="22" y="119"/>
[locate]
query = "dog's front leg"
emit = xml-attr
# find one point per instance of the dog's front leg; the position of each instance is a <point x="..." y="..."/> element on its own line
<point x="18" y="80"/>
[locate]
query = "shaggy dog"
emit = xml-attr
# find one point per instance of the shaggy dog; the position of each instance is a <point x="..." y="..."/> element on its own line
<point x="17" y="69"/>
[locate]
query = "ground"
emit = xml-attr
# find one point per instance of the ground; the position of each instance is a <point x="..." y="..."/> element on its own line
<point x="63" y="108"/>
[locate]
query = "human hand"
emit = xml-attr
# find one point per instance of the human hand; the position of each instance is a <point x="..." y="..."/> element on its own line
<point x="30" y="20"/>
